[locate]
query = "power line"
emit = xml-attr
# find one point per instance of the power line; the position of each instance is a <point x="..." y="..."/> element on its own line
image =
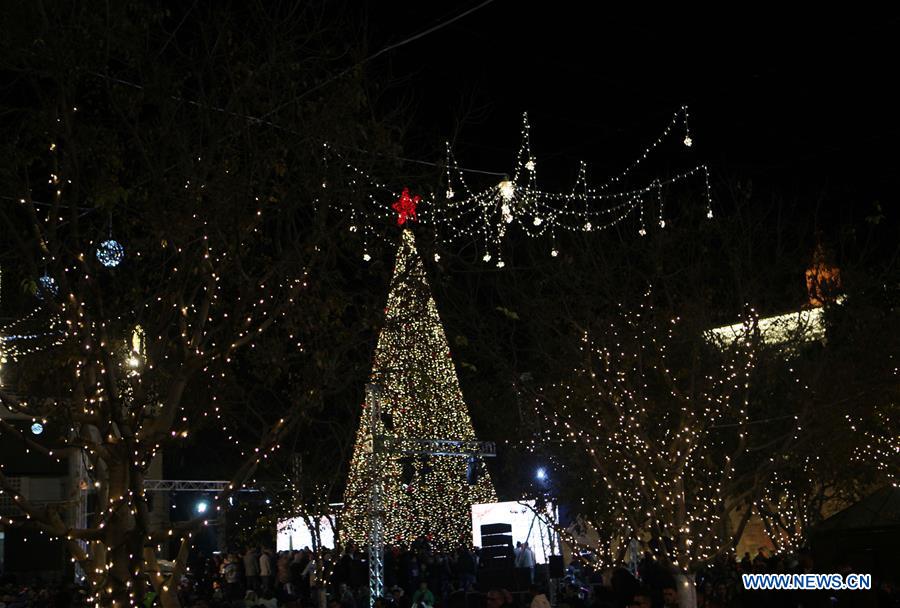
<point x="386" y="49"/>
<point x="261" y="121"/>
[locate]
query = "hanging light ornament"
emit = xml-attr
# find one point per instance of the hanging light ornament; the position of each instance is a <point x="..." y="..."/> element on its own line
<point x="46" y="287"/>
<point x="491" y="212"/>
<point x="110" y="253"/>
<point x="405" y="206"/>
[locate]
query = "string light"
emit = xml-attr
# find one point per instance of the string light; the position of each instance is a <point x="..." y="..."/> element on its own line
<point x="203" y="313"/>
<point x="641" y="423"/>
<point x="421" y="392"/>
<point x="46" y="287"/>
<point x="488" y="214"/>
<point x="110" y="253"/>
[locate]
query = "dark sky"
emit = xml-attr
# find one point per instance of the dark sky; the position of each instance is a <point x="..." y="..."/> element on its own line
<point x="803" y="103"/>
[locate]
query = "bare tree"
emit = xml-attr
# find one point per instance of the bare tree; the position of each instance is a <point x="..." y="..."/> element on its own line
<point x="187" y="138"/>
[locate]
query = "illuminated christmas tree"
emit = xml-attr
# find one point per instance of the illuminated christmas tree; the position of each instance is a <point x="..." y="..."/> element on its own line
<point x="421" y="399"/>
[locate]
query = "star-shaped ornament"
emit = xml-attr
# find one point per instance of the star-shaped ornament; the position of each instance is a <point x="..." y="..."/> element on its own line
<point x="405" y="207"/>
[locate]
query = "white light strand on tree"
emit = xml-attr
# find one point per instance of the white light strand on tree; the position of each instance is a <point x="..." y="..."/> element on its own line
<point x="205" y="329"/>
<point x="645" y="424"/>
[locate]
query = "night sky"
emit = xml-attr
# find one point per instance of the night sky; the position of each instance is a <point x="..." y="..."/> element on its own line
<point x="804" y="104"/>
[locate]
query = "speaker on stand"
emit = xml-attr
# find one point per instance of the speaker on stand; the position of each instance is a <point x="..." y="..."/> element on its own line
<point x="497" y="556"/>
<point x="557" y="568"/>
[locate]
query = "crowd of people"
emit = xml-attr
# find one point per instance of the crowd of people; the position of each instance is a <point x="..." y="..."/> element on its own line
<point x="14" y="595"/>
<point x="414" y="575"/>
<point x="716" y="585"/>
<point x="418" y="576"/>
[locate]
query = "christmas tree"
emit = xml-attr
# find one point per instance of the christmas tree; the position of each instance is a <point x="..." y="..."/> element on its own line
<point x="426" y="496"/>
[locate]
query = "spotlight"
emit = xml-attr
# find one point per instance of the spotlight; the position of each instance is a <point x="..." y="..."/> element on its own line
<point x="541" y="474"/>
<point x="201" y="507"/>
<point x="37" y="428"/>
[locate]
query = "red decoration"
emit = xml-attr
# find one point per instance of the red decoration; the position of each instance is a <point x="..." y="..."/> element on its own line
<point x="405" y="207"/>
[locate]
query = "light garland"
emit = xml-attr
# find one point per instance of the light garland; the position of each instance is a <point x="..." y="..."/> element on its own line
<point x="111" y="397"/>
<point x="46" y="287"/>
<point x="487" y="215"/>
<point x="16" y="344"/>
<point x="879" y="445"/>
<point x="110" y="253"/>
<point x="413" y="365"/>
<point x="644" y="427"/>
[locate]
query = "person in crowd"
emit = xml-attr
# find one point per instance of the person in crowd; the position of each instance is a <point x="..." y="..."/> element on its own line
<point x="466" y="568"/>
<point x="397" y="597"/>
<point x="538" y="598"/>
<point x="267" y="600"/>
<point x="266" y="570"/>
<point x="231" y="574"/>
<point x="308" y="575"/>
<point x="283" y="573"/>
<point x="423" y="597"/>
<point x="251" y="599"/>
<point x="760" y="562"/>
<point x="298" y="564"/>
<point x="495" y="598"/>
<point x="380" y="602"/>
<point x="670" y="596"/>
<point x="642" y="598"/>
<point x="525" y="559"/>
<point x="345" y="595"/>
<point x="251" y="568"/>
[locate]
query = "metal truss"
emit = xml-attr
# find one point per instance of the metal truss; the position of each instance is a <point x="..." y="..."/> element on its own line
<point x="376" y="510"/>
<point x="188" y="485"/>
<point x="437" y="447"/>
<point x="385" y="445"/>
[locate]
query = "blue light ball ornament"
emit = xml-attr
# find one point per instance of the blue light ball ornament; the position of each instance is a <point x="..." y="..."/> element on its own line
<point x="110" y="253"/>
<point x="46" y="287"/>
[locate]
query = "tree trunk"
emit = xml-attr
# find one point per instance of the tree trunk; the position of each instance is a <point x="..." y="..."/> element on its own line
<point x="687" y="590"/>
<point x="169" y="599"/>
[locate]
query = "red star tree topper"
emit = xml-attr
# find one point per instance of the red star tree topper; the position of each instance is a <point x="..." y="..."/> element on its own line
<point x="405" y="207"/>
